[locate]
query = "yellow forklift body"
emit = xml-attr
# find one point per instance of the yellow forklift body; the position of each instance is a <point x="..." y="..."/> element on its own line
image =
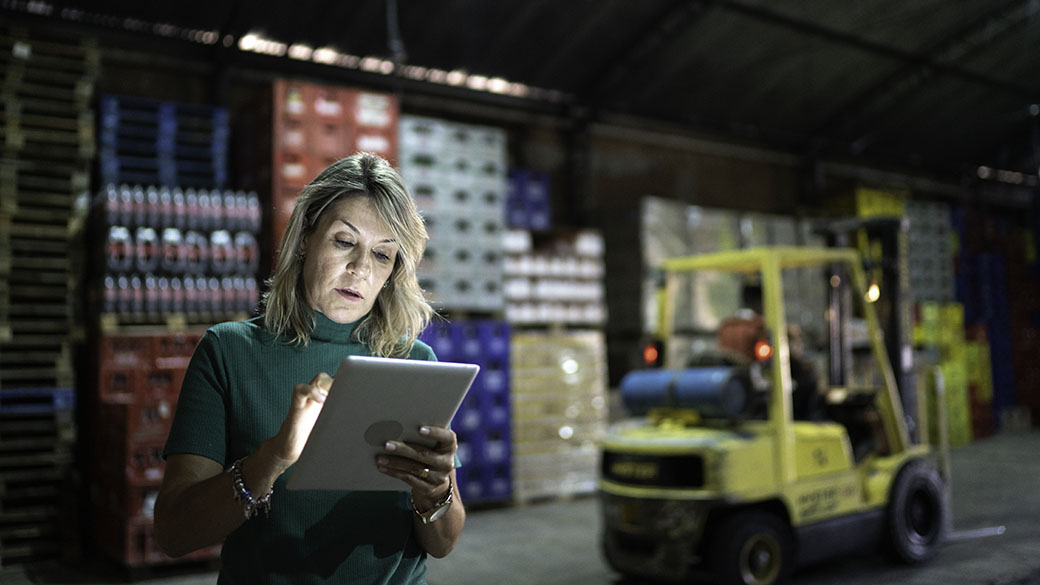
<point x="806" y="468"/>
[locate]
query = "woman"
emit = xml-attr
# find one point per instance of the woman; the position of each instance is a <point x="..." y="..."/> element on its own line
<point x="344" y="284"/>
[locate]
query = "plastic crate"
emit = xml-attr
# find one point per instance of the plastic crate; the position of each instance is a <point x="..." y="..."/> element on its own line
<point x="36" y="400"/>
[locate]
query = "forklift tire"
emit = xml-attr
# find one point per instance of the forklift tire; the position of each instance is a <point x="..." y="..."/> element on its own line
<point x="753" y="547"/>
<point x="916" y="513"/>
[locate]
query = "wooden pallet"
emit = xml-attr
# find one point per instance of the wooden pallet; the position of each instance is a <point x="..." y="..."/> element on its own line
<point x="37" y="435"/>
<point x="29" y="538"/>
<point x="52" y="52"/>
<point x="31" y="175"/>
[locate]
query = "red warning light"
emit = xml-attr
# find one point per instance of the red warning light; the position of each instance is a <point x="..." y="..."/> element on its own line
<point x="763" y="350"/>
<point x="650" y="354"/>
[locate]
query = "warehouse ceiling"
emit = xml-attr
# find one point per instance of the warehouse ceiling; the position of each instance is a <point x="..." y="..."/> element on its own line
<point x="929" y="85"/>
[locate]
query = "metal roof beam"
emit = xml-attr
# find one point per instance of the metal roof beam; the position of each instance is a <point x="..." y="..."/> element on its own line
<point x="673" y="21"/>
<point x="887" y="91"/>
<point x="907" y="57"/>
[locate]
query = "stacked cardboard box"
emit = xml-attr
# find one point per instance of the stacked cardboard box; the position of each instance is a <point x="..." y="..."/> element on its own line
<point x="559" y="404"/>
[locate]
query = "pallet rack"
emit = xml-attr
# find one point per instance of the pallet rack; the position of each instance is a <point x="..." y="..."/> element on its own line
<point x="46" y="142"/>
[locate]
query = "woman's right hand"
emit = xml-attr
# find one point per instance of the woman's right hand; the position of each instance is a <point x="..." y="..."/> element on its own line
<point x="307" y="401"/>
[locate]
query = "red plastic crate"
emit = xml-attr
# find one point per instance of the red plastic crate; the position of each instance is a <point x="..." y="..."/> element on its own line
<point x="122" y="498"/>
<point x="162" y="384"/>
<point x="131" y="541"/>
<point x="175" y="345"/>
<point x="137" y="420"/>
<point x="124" y="351"/>
<point x="119" y="383"/>
<point x="129" y="461"/>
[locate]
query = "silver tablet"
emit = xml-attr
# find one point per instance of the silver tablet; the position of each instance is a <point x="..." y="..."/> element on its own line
<point x="372" y="401"/>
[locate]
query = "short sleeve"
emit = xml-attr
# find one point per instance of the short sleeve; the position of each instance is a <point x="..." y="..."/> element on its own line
<point x="422" y="351"/>
<point x="200" y="421"/>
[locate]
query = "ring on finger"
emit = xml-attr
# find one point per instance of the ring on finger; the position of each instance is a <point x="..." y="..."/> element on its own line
<point x="425" y="473"/>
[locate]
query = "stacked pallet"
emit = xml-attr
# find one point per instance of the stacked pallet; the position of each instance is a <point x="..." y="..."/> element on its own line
<point x="37" y="436"/>
<point x="47" y="141"/>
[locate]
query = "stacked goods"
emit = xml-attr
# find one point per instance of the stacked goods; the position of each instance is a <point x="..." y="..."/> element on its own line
<point x="528" y="204"/>
<point x="867" y="202"/>
<point x="482" y="423"/>
<point x="46" y="143"/>
<point x="456" y="172"/>
<point x="138" y="381"/>
<point x="153" y="142"/>
<point x="929" y="253"/>
<point x="997" y="281"/>
<point x="37" y="436"/>
<point x="560" y="280"/>
<point x="174" y="244"/>
<point x="940" y="330"/>
<point x="559" y="405"/>
<point x="171" y="254"/>
<point x="316" y="125"/>
<point x="980" y="381"/>
<point x="169" y="245"/>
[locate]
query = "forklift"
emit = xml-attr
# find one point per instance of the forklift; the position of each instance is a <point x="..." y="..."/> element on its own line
<point x="779" y="436"/>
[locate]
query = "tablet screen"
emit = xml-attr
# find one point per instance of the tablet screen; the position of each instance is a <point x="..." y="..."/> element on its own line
<point x="372" y="401"/>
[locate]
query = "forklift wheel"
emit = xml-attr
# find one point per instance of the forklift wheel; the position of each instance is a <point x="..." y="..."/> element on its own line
<point x="753" y="548"/>
<point x="916" y="513"/>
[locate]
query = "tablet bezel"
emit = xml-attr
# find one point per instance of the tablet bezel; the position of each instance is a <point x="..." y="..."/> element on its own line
<point x="368" y="390"/>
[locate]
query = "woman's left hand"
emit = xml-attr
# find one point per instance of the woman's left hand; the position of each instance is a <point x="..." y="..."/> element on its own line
<point x="426" y="469"/>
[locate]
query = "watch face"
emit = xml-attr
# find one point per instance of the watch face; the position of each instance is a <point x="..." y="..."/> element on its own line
<point x="436" y="515"/>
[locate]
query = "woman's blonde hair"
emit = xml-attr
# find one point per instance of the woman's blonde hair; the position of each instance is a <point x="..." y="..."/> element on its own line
<point x="401" y="311"/>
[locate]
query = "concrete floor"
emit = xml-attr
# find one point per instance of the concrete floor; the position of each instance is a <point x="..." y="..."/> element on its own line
<point x="996" y="482"/>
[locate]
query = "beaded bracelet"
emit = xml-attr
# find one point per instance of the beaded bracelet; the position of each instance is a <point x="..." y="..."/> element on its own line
<point x="250" y="505"/>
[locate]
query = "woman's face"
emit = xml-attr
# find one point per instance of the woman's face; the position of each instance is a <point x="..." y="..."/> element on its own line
<point x="348" y="258"/>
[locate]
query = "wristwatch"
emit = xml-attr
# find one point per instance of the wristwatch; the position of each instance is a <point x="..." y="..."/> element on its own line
<point x="439" y="509"/>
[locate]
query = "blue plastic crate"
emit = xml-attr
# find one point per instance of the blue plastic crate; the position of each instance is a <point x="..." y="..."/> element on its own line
<point x="538" y="215"/>
<point x="495" y="411"/>
<point x="485" y="483"/>
<point x="37" y="400"/>
<point x="470" y="416"/>
<point x="498" y="480"/>
<point x="467" y="341"/>
<point x="438" y="335"/>
<point x="494" y="339"/>
<point x="491" y="444"/>
<point x="471" y="483"/>
<point x="993" y="309"/>
<point x="494" y="375"/>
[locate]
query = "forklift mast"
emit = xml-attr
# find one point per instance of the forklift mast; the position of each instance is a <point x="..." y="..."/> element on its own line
<point x="882" y="243"/>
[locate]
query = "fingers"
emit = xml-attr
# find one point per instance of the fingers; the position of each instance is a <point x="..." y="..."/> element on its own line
<point x="424" y="468"/>
<point x="317" y="391"/>
<point x="323" y="381"/>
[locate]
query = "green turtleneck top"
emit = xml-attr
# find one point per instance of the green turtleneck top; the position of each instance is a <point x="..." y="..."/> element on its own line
<point x="235" y="395"/>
